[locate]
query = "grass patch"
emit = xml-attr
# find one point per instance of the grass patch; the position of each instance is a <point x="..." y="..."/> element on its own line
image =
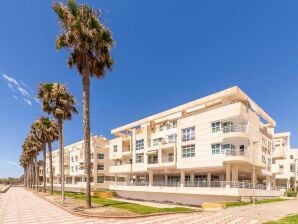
<point x="242" y="203"/>
<point x="135" y="208"/>
<point x="287" y="220"/>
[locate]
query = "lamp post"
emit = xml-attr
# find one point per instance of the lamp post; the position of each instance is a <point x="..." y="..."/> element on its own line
<point x="254" y="174"/>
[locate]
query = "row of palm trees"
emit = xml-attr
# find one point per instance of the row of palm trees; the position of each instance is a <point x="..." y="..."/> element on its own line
<point x="89" y="42"/>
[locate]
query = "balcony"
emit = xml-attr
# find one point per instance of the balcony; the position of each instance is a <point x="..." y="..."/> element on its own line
<point x="276" y="169"/>
<point x="278" y="153"/>
<point x="239" y="155"/>
<point x="235" y="130"/>
<point x="124" y="168"/>
<point x="152" y="162"/>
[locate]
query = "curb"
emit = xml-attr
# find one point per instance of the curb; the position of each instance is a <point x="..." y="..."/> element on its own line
<point x="5" y="189"/>
<point x="110" y="217"/>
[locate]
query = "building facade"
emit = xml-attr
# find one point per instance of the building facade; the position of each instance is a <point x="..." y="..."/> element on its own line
<point x="74" y="165"/>
<point x="284" y="161"/>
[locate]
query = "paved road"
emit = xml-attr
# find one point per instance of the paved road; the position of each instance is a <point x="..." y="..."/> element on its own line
<point x="21" y="206"/>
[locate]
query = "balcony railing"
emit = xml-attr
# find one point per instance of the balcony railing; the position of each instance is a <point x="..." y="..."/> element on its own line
<point x="203" y="183"/>
<point x="236" y="152"/>
<point x="153" y="161"/>
<point x="167" y="159"/>
<point x="235" y="128"/>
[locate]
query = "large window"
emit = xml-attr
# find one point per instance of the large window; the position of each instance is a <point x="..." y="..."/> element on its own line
<point x="215" y="149"/>
<point x="188" y="134"/>
<point x="215" y="127"/>
<point x="115" y="148"/>
<point x="156" y="141"/>
<point x="188" y="151"/>
<point x="100" y="179"/>
<point x="100" y="167"/>
<point x="172" y="138"/>
<point x="292" y="167"/>
<point x="139" y="144"/>
<point x="140" y="158"/>
<point x="100" y="156"/>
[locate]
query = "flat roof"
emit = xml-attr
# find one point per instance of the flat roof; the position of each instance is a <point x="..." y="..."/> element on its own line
<point x="233" y="91"/>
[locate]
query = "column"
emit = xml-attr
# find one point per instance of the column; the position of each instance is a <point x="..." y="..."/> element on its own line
<point x="116" y="179"/>
<point x="150" y="178"/>
<point x="274" y="182"/>
<point x="166" y="179"/>
<point x="73" y="180"/>
<point x="228" y="175"/>
<point x="209" y="179"/>
<point x="288" y="184"/>
<point x="235" y="170"/>
<point x="182" y="178"/>
<point x="192" y="179"/>
<point x="268" y="183"/>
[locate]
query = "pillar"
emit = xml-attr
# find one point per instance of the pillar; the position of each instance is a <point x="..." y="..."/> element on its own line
<point x="235" y="170"/>
<point x="288" y="184"/>
<point x="73" y="180"/>
<point x="182" y="178"/>
<point x="274" y="182"/>
<point x="192" y="179"/>
<point x="268" y="183"/>
<point x="150" y="178"/>
<point x="228" y="174"/>
<point x="209" y="179"/>
<point x="116" y="179"/>
<point x="166" y="179"/>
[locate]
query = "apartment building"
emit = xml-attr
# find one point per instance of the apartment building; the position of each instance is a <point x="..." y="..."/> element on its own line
<point x="74" y="165"/>
<point x="284" y="161"/>
<point x="224" y="141"/>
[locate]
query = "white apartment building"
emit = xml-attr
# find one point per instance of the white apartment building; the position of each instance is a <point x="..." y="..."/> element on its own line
<point x="74" y="165"/>
<point x="207" y="147"/>
<point x="284" y="161"/>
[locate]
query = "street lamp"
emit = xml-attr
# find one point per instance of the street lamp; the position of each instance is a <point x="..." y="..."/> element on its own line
<point x="254" y="174"/>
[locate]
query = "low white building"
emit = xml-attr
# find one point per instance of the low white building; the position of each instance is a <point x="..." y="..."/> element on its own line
<point x="74" y="165"/>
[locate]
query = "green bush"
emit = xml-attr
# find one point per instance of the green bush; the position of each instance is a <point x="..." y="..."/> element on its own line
<point x="291" y="193"/>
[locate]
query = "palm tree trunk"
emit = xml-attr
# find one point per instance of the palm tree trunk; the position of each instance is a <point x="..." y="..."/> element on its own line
<point x="44" y="169"/>
<point x="33" y="172"/>
<point x="36" y="172"/>
<point x="86" y="126"/>
<point x="51" y="167"/>
<point x="61" y="155"/>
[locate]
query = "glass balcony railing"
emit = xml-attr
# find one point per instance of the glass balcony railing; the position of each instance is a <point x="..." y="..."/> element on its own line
<point x="235" y="128"/>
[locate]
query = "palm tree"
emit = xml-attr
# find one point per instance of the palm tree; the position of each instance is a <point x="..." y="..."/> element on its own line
<point x="56" y="100"/>
<point x="90" y="43"/>
<point x="52" y="135"/>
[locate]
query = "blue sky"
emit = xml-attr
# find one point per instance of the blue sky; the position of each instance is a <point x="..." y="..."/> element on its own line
<point x="167" y="53"/>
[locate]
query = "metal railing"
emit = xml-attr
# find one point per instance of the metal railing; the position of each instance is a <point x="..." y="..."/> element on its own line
<point x="203" y="183"/>
<point x="235" y="128"/>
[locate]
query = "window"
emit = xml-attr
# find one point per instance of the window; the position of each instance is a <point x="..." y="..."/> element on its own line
<point x="215" y="126"/>
<point x="263" y="159"/>
<point x="292" y="167"/>
<point x="76" y="158"/>
<point x="100" y="156"/>
<point x="228" y="148"/>
<point x="174" y="124"/>
<point x="269" y="161"/>
<point x="156" y="141"/>
<point x="291" y="157"/>
<point x="140" y="158"/>
<point x="72" y="159"/>
<point x="76" y="168"/>
<point x="188" y="151"/>
<point x="188" y="134"/>
<point x="72" y="169"/>
<point x="172" y="138"/>
<point x="139" y="144"/>
<point x="100" y="179"/>
<point x="215" y="149"/>
<point x="100" y="167"/>
<point x="115" y="148"/>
